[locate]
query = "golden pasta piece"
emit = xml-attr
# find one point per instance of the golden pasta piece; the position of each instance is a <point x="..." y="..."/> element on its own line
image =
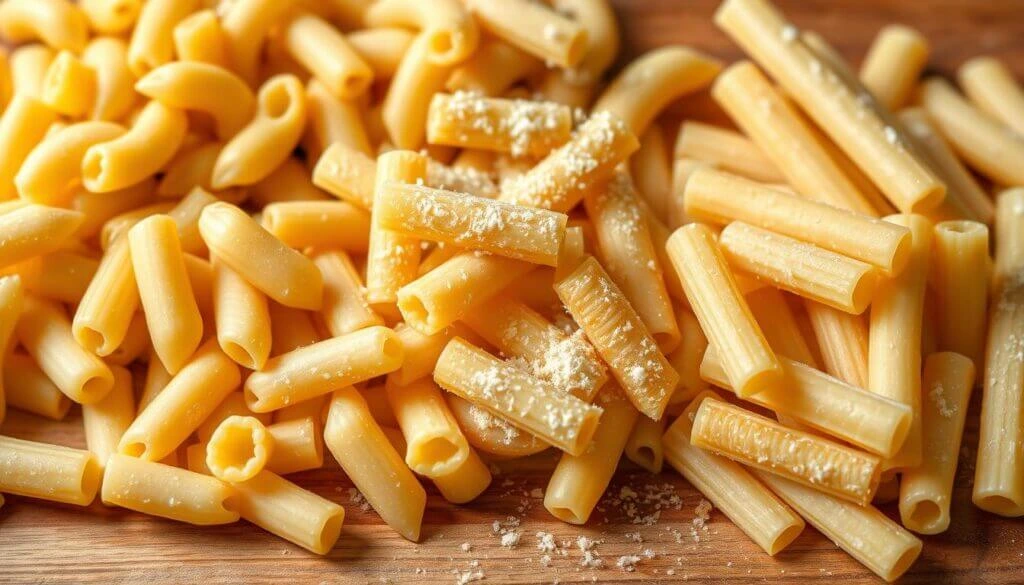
<point x="109" y="303"/>
<point x="212" y="90"/>
<point x="466" y="482"/>
<point x="69" y="86"/>
<point x="893" y="64"/>
<point x="644" y="444"/>
<point x="238" y="449"/>
<point x="991" y="86"/>
<point x="318" y="224"/>
<point x="290" y="328"/>
<point x="327" y="55"/>
<point x="152" y="39"/>
<point x="534" y="28"/>
<point x="435" y="446"/>
<point x="346" y="173"/>
<point x="26" y="387"/>
<point x="232" y="405"/>
<point x="518" y="127"/>
<point x="58" y="23"/>
<point x="242" y="318"/>
<point x="52" y="171"/>
<point x="393" y="258"/>
<point x="686" y="359"/>
<point x="111" y="17"/>
<point x="49" y="472"/>
<point x="62" y="276"/>
<point x="155" y="381"/>
<point x="34" y="230"/>
<point x="23" y="125"/>
<point x="200" y="37"/>
<point x="421" y="352"/>
<point x="960" y="282"/>
<point x="493" y="434"/>
<point x="451" y="32"/>
<point x="404" y="110"/>
<point x="298" y="444"/>
<point x="29" y="64"/>
<point x="727" y="150"/>
<point x="105" y="421"/>
<point x="493" y="68"/>
<point x="331" y="120"/>
<point x="381" y="48"/>
<point x="246" y="24"/>
<point x="780" y="325"/>
<point x="345" y="308"/>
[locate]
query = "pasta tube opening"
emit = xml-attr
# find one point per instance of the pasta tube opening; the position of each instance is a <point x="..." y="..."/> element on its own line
<point x="238" y="449"/>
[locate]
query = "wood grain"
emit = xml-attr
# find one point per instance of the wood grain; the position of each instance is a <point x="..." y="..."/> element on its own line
<point x="47" y="543"/>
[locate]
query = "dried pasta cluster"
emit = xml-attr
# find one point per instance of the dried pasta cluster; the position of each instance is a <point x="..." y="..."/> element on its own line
<point x="423" y="234"/>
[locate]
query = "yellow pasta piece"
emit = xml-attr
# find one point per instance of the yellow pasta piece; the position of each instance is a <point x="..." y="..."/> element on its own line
<point x="644" y="444"/>
<point x="861" y="237"/>
<point x="829" y="97"/>
<point x="925" y="491"/>
<point x="156" y="380"/>
<point x="189" y="397"/>
<point x="493" y="68"/>
<point x="405" y="106"/>
<point x="761" y="443"/>
<point x="319" y="368"/>
<point x="318" y="224"/>
<point x="111" y="17"/>
<point x="561" y="180"/>
<point x="268" y="139"/>
<point x="865" y="533"/>
<point x="29" y="64"/>
<point x="242" y="318"/>
<point x="69" y="86"/>
<point x="57" y="23"/>
<point x="725" y="149"/>
<point x="377" y="470"/>
<point x="48" y="472"/>
<point x="12" y="302"/>
<point x="504" y="229"/>
<point x="961" y="267"/>
<point x="109" y="303"/>
<point x="894" y="345"/>
<point x="165" y="291"/>
<point x="620" y="337"/>
<point x="332" y="120"/>
<point x="115" y="94"/>
<point x="811" y="397"/>
<point x="747" y="502"/>
<point x="779" y="325"/>
<point x="579" y="481"/>
<point x="436" y="446"/>
<point x="519" y="127"/>
<point x="991" y="86"/>
<point x="232" y="405"/>
<point x="451" y="32"/>
<point x="598" y="20"/>
<point x="628" y="253"/>
<point x="346" y="173"/>
<point x="298" y="445"/>
<point x="52" y="171"/>
<point x="466" y="482"/>
<point x="556" y="417"/>
<point x="291" y="329"/>
<point x="1009" y="225"/>
<point x="686" y="359"/>
<point x="652" y="171"/>
<point x="534" y="28"/>
<point x="238" y="449"/>
<point x="345" y="308"/>
<point x="843" y="340"/>
<point x="246" y="24"/>
<point x="212" y="90"/>
<point x="724" y="316"/>
<point x="136" y="342"/>
<point x="894" y="61"/>
<point x="200" y="37"/>
<point x="803" y="269"/>
<point x="105" y="421"/>
<point x="421" y="352"/>
<point x="144" y="149"/>
<point x="63" y="276"/>
<point x="190" y="168"/>
<point x="381" y="48"/>
<point x="27" y="388"/>
<point x="493" y="434"/>
<point x="35" y="230"/>
<point x="23" y="125"/>
<point x="166" y="491"/>
<point x="283" y="274"/>
<point x="152" y="39"/>
<point x="327" y="55"/>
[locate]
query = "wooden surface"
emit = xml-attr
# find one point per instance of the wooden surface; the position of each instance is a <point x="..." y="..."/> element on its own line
<point x="51" y="543"/>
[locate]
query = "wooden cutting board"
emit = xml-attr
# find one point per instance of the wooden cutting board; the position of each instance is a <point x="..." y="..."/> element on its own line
<point x="49" y="543"/>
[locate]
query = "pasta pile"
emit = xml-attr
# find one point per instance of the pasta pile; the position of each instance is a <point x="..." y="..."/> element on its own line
<point x="426" y="234"/>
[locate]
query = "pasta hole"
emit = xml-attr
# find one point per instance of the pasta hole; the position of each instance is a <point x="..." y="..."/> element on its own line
<point x="414" y="310"/>
<point x="999" y="505"/>
<point x="436" y="450"/>
<point x="903" y="563"/>
<point x="785" y="537"/>
<point x="330" y="532"/>
<point x="926" y="513"/>
<point x="93" y="165"/>
<point x="864" y="291"/>
<point x="961" y="227"/>
<point x="392" y="348"/>
<point x="90" y="339"/>
<point x="97" y="386"/>
<point x="566" y="515"/>
<point x="91" y="477"/>
<point x="356" y="84"/>
<point x="276" y="101"/>
<point x="136" y="449"/>
<point x="646" y="457"/>
<point x="577" y="49"/>
<point x="239" y="354"/>
<point x="441" y="43"/>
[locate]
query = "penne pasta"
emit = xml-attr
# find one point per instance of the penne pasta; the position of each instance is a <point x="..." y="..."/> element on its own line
<point x="644" y="444"/>
<point x="109" y="303"/>
<point x="725" y="149"/>
<point x="534" y="28"/>
<point x="518" y="127"/>
<point x="327" y="55"/>
<point x="346" y="173"/>
<point x="105" y="421"/>
<point x="992" y="88"/>
<point x="242" y="318"/>
<point x="167" y="491"/>
<point x="392" y="258"/>
<point x="961" y="267"/>
<point x="49" y="472"/>
<point x="238" y="449"/>
<point x="493" y="68"/>
<point x="298" y="444"/>
<point x="421" y="353"/>
<point x="686" y="359"/>
<point x="779" y="325"/>
<point x="156" y="380"/>
<point x="467" y="482"/>
<point x="345" y="308"/>
<point x="893" y="64"/>
<point x="330" y="120"/>
<point x="652" y="171"/>
<point x="436" y="446"/>
<point x="318" y="224"/>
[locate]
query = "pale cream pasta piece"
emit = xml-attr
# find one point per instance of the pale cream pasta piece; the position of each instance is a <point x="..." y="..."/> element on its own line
<point x="69" y="86"/>
<point x="177" y="410"/>
<point x="533" y="404"/>
<point x="644" y="444"/>
<point x="475" y="223"/>
<point x="322" y="367"/>
<point x="238" y="449"/>
<point x="283" y="274"/>
<point x="165" y="290"/>
<point x="620" y="336"/>
<point x="421" y="352"/>
<point x="780" y="325"/>
<point x="627" y="251"/>
<point x="28" y="65"/>
<point x="167" y="491"/>
<point x="579" y="481"/>
<point x="895" y="60"/>
<point x="492" y="434"/>
<point x="801" y="268"/>
<point x="143" y="150"/>
<point x="202" y="87"/>
<point x="392" y="259"/>
<point x="717" y="197"/>
<point x="136" y="343"/>
<point x="45" y="333"/>
<point x="652" y="171"/>
<point x="190" y="168"/>
<point x="232" y="405"/>
<point x="597" y="17"/>
<point x="960" y="278"/>
<point x="926" y="491"/>
<point x="331" y="120"/>
<point x="200" y="37"/>
<point x="493" y="68"/>
<point x="381" y="48"/>
<point x="49" y="472"/>
<point x="115" y="91"/>
<point x="152" y="39"/>
<point x="290" y="181"/>
<point x="321" y="49"/>
<point x="762" y="516"/>
<point x="843" y="341"/>
<point x="105" y="312"/>
<point x="1009" y="225"/>
<point x="568" y="362"/>
<point x="346" y="173"/>
<point x="58" y="23"/>
<point x="345" y="307"/>
<point x="27" y="388"/>
<point x="155" y="381"/>
<point x="268" y="139"/>
<point x="105" y="421"/>
<point x="111" y="17"/>
<point x="725" y="149"/>
<point x="561" y="179"/>
<point x="518" y="127"/>
<point x="34" y="230"/>
<point x="52" y="171"/>
<point x="298" y="444"/>
<point x="318" y="224"/>
<point x="12" y="301"/>
<point x="404" y="109"/>
<point x="724" y="315"/>
<point x="657" y="78"/>
<point x="981" y="140"/>
<point x="242" y="318"/>
<point x="450" y="31"/>
<point x="894" y="345"/>
<point x="787" y="139"/>
<point x="811" y="397"/>
<point x="764" y="444"/>
<point x="62" y="276"/>
<point x="990" y="85"/>
<point x="534" y="28"/>
<point x="435" y="446"/>
<point x="466" y="482"/>
<point x="833" y="99"/>
<point x="686" y="358"/>
<point x="186" y="216"/>
<point x="362" y="449"/>
<point x="865" y="533"/>
<point x="462" y="178"/>
<point x="290" y="328"/>
<point x="23" y="125"/>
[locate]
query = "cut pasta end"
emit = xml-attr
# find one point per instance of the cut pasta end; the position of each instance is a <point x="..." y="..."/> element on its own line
<point x="91" y="478"/>
<point x="137" y="449"/>
<point x="759" y="381"/>
<point x="416" y="314"/>
<point x="329" y="533"/>
<point x="784" y="538"/>
<point x="864" y="291"/>
<point x="925" y="516"/>
<point x="566" y="514"/>
<point x="94" y="170"/>
<point x="93" y="389"/>
<point x="436" y="456"/>
<point x="903" y="562"/>
<point x="646" y="457"/>
<point x="238" y="449"/>
<point x="999" y="504"/>
<point x="241" y="355"/>
<point x="93" y="340"/>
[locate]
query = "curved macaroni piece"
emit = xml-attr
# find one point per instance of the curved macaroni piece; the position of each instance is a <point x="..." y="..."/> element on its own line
<point x="321" y="49"/>
<point x="200" y="37"/>
<point x="192" y="85"/>
<point x="33" y="230"/>
<point x="23" y="125"/>
<point x="246" y="24"/>
<point x="69" y="86"/>
<point x="29" y="64"/>
<point x="152" y="42"/>
<point x="115" y="94"/>
<point x="451" y="32"/>
<point x="597" y="18"/>
<point x="53" y="170"/>
<point x="381" y="48"/>
<point x="111" y="17"/>
<point x="58" y="23"/>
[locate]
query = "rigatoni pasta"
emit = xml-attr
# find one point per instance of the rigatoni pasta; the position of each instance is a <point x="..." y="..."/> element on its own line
<point x="50" y="472"/>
